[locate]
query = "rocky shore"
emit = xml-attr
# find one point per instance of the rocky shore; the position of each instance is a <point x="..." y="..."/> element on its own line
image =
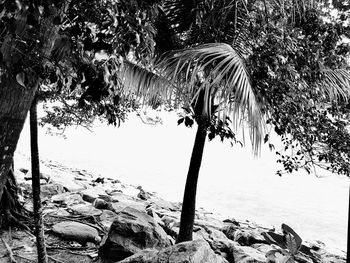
<point x="93" y="219"/>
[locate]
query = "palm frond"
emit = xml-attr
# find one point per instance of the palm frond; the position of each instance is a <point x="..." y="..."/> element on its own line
<point x="225" y="80"/>
<point x="336" y="84"/>
<point x="180" y="14"/>
<point x="146" y="84"/>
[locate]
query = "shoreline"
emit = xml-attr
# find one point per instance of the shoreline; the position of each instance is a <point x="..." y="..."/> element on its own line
<point x="75" y="181"/>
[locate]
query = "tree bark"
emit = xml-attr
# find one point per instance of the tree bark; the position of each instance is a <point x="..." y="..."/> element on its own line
<point x="19" y="78"/>
<point x="348" y="247"/>
<point x="189" y="199"/>
<point x="14" y="105"/>
<point x="38" y="218"/>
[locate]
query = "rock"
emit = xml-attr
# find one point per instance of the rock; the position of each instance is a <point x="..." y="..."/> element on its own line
<point x="43" y="182"/>
<point x="332" y="259"/>
<point x="229" y="230"/>
<point x="209" y="222"/>
<point x="247" y="237"/>
<point x="101" y="204"/>
<point x="128" y="190"/>
<point x="85" y="209"/>
<point x="326" y="257"/>
<point x="246" y="254"/>
<point x="121" y="201"/>
<point x="244" y="236"/>
<point x="215" y="234"/>
<point x="160" y="204"/>
<point x="171" y="221"/>
<point x="48" y="190"/>
<point x="263" y="248"/>
<point x="90" y="194"/>
<point x="106" y="198"/>
<point x="120" y="206"/>
<point x="70" y="184"/>
<point x="106" y="218"/>
<point x="143" y="195"/>
<point x="77" y="232"/>
<point x="99" y="180"/>
<point x="231" y="221"/>
<point x="61" y="212"/>
<point x="131" y="231"/>
<point x="23" y="170"/>
<point x="208" y="234"/>
<point x="223" y="247"/>
<point x="66" y="199"/>
<point x="197" y="251"/>
<point x="153" y="214"/>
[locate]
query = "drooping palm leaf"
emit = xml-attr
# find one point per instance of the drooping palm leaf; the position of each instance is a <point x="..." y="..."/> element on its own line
<point x="146" y="84"/>
<point x="225" y="80"/>
<point x="336" y="84"/>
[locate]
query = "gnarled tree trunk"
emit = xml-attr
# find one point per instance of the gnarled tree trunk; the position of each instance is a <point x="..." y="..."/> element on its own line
<point x="19" y="78"/>
<point x="15" y="102"/>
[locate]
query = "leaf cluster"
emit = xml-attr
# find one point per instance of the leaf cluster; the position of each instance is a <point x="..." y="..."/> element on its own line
<point x="300" y="72"/>
<point x="87" y="58"/>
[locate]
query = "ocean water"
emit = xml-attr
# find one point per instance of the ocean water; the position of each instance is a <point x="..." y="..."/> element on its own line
<point x="233" y="182"/>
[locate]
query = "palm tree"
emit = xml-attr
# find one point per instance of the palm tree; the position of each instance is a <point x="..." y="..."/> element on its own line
<point x="209" y="71"/>
<point x="216" y="77"/>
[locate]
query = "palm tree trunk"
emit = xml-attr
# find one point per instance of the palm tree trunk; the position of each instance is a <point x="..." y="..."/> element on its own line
<point x="189" y="199"/>
<point x="38" y="219"/>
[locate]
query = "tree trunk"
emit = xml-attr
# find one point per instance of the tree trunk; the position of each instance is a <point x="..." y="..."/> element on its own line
<point x="18" y="75"/>
<point x="348" y="247"/>
<point x="38" y="218"/>
<point x="10" y="206"/>
<point x="14" y="105"/>
<point x="189" y="199"/>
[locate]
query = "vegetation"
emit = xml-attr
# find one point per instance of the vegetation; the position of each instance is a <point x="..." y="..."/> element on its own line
<point x="290" y="245"/>
<point x="227" y="63"/>
<point x="292" y="68"/>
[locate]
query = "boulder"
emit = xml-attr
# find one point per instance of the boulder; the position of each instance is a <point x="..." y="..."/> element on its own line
<point x="121" y="201"/>
<point x="143" y="195"/>
<point x="246" y="254"/>
<point x="132" y="231"/>
<point x="85" y="209"/>
<point x="332" y="259"/>
<point x="208" y="234"/>
<point x="207" y="221"/>
<point x="156" y="217"/>
<point x="223" y="248"/>
<point x="244" y="236"/>
<point x="229" y="230"/>
<point x="75" y="231"/>
<point x="48" y="190"/>
<point x="90" y="194"/>
<point x="101" y="204"/>
<point x="327" y="257"/>
<point x="197" y="251"/>
<point x="66" y="199"/>
<point x="106" y="218"/>
<point x="60" y="212"/>
<point x="160" y="204"/>
<point x="263" y="248"/>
